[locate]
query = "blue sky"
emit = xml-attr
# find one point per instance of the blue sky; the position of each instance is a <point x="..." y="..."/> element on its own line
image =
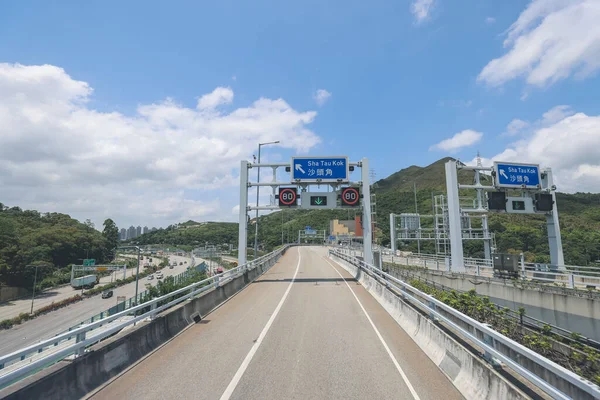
<point x="401" y="79"/>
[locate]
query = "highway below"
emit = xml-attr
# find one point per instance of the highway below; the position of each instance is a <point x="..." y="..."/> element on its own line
<point x="48" y="325"/>
<point x="12" y="308"/>
<point x="303" y="330"/>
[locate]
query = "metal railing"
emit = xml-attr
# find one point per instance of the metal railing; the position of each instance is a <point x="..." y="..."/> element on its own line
<point x="75" y="341"/>
<point x="481" y="334"/>
<point x="525" y="320"/>
<point x="132" y="301"/>
<point x="570" y="276"/>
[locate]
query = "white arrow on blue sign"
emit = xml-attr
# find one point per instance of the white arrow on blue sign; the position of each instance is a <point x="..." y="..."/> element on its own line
<point x="516" y="175"/>
<point x="320" y="169"/>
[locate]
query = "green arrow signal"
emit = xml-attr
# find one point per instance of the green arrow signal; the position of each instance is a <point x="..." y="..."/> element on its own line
<point x="319" y="201"/>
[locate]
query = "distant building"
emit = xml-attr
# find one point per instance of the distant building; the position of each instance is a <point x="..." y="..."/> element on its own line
<point x="153" y="229"/>
<point x="123" y="234"/>
<point x="131" y="232"/>
<point x="138" y="231"/>
<point x="145" y="230"/>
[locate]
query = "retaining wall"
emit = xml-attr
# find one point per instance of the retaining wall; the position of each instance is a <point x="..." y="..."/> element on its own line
<point x="8" y="293"/>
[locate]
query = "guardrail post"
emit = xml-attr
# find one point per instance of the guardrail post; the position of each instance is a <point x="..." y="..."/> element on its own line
<point x="571" y="281"/>
<point x="478" y="270"/>
<point x="80" y="338"/>
<point x="447" y="259"/>
<point x="152" y="308"/>
<point x="487" y="339"/>
<point x="432" y="308"/>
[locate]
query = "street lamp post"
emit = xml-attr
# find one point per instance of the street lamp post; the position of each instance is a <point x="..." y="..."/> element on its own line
<point x="257" y="196"/>
<point x="34" y="284"/>
<point x="137" y="272"/>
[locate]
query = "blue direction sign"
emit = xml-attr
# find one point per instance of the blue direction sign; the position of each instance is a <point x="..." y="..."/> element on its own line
<point x="320" y="169"/>
<point x="515" y="175"/>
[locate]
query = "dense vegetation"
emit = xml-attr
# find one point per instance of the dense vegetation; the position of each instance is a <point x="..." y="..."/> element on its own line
<point x="567" y="352"/>
<point x="52" y="241"/>
<point x="209" y="232"/>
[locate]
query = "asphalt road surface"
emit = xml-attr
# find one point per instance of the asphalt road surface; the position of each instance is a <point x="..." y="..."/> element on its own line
<point x="303" y="330"/>
<point x="50" y="324"/>
<point x="13" y="308"/>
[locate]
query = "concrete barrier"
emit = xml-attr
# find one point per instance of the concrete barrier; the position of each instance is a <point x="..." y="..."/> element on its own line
<point x="472" y="376"/>
<point x="74" y="379"/>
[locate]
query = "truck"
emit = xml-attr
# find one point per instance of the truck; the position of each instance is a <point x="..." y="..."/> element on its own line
<point x="85" y="282"/>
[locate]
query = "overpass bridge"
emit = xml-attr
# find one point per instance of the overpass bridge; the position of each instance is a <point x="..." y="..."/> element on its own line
<point x="303" y="330"/>
<point x="302" y="322"/>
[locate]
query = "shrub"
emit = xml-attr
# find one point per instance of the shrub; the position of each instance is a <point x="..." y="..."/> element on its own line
<point x="6" y="324"/>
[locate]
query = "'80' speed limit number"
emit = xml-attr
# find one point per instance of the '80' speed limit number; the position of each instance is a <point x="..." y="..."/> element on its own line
<point x="350" y="197"/>
<point x="288" y="197"/>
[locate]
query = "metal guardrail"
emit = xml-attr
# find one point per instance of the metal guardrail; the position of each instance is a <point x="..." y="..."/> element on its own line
<point x="79" y="334"/>
<point x="570" y="276"/>
<point x="526" y="320"/>
<point x="490" y="336"/>
<point x="130" y="302"/>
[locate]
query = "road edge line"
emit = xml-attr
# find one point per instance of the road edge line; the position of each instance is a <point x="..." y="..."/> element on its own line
<point x="381" y="339"/>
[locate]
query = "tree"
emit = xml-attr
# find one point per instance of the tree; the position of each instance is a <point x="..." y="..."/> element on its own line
<point x="111" y="236"/>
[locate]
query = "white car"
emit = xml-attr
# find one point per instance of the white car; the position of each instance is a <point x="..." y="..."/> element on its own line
<point x="150" y="277"/>
<point x="159" y="276"/>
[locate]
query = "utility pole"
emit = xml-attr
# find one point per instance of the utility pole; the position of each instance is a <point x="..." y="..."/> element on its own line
<point x="419" y="219"/>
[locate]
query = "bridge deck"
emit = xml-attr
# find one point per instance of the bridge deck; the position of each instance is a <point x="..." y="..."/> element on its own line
<point x="298" y="332"/>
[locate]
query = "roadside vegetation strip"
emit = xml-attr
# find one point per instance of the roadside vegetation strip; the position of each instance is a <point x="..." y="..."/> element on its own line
<point x="579" y="358"/>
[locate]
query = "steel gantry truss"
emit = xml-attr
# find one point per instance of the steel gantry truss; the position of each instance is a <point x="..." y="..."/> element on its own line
<point x="436" y="227"/>
<point x="245" y="184"/>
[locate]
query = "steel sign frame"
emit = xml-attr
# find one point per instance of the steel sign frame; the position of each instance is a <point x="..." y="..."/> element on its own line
<point x="288" y="204"/>
<point x="324" y="178"/>
<point x="517" y="185"/>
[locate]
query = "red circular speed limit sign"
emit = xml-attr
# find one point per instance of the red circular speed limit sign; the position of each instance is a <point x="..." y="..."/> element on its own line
<point x="350" y="196"/>
<point x="287" y="197"/>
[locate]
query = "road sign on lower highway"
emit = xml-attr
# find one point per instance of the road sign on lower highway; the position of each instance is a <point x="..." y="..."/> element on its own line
<point x="320" y="169"/>
<point x="516" y="175"/>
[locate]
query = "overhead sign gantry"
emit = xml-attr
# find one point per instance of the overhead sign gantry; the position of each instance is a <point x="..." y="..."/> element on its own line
<point x="518" y="188"/>
<point x="305" y="173"/>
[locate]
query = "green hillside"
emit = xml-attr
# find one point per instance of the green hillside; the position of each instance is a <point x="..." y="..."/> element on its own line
<point x="188" y="234"/>
<point x="55" y="240"/>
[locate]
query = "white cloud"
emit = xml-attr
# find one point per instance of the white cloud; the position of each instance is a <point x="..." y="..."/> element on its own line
<point x="516" y="126"/>
<point x="421" y="9"/>
<point x="490" y="20"/>
<point x="462" y="139"/>
<point x="570" y="145"/>
<point x="551" y="40"/>
<point x="555" y="114"/>
<point x="218" y="97"/>
<point x="164" y="164"/>
<point x="321" y="96"/>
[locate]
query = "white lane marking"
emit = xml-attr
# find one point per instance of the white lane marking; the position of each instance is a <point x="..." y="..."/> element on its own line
<point x="240" y="372"/>
<point x="404" y="377"/>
